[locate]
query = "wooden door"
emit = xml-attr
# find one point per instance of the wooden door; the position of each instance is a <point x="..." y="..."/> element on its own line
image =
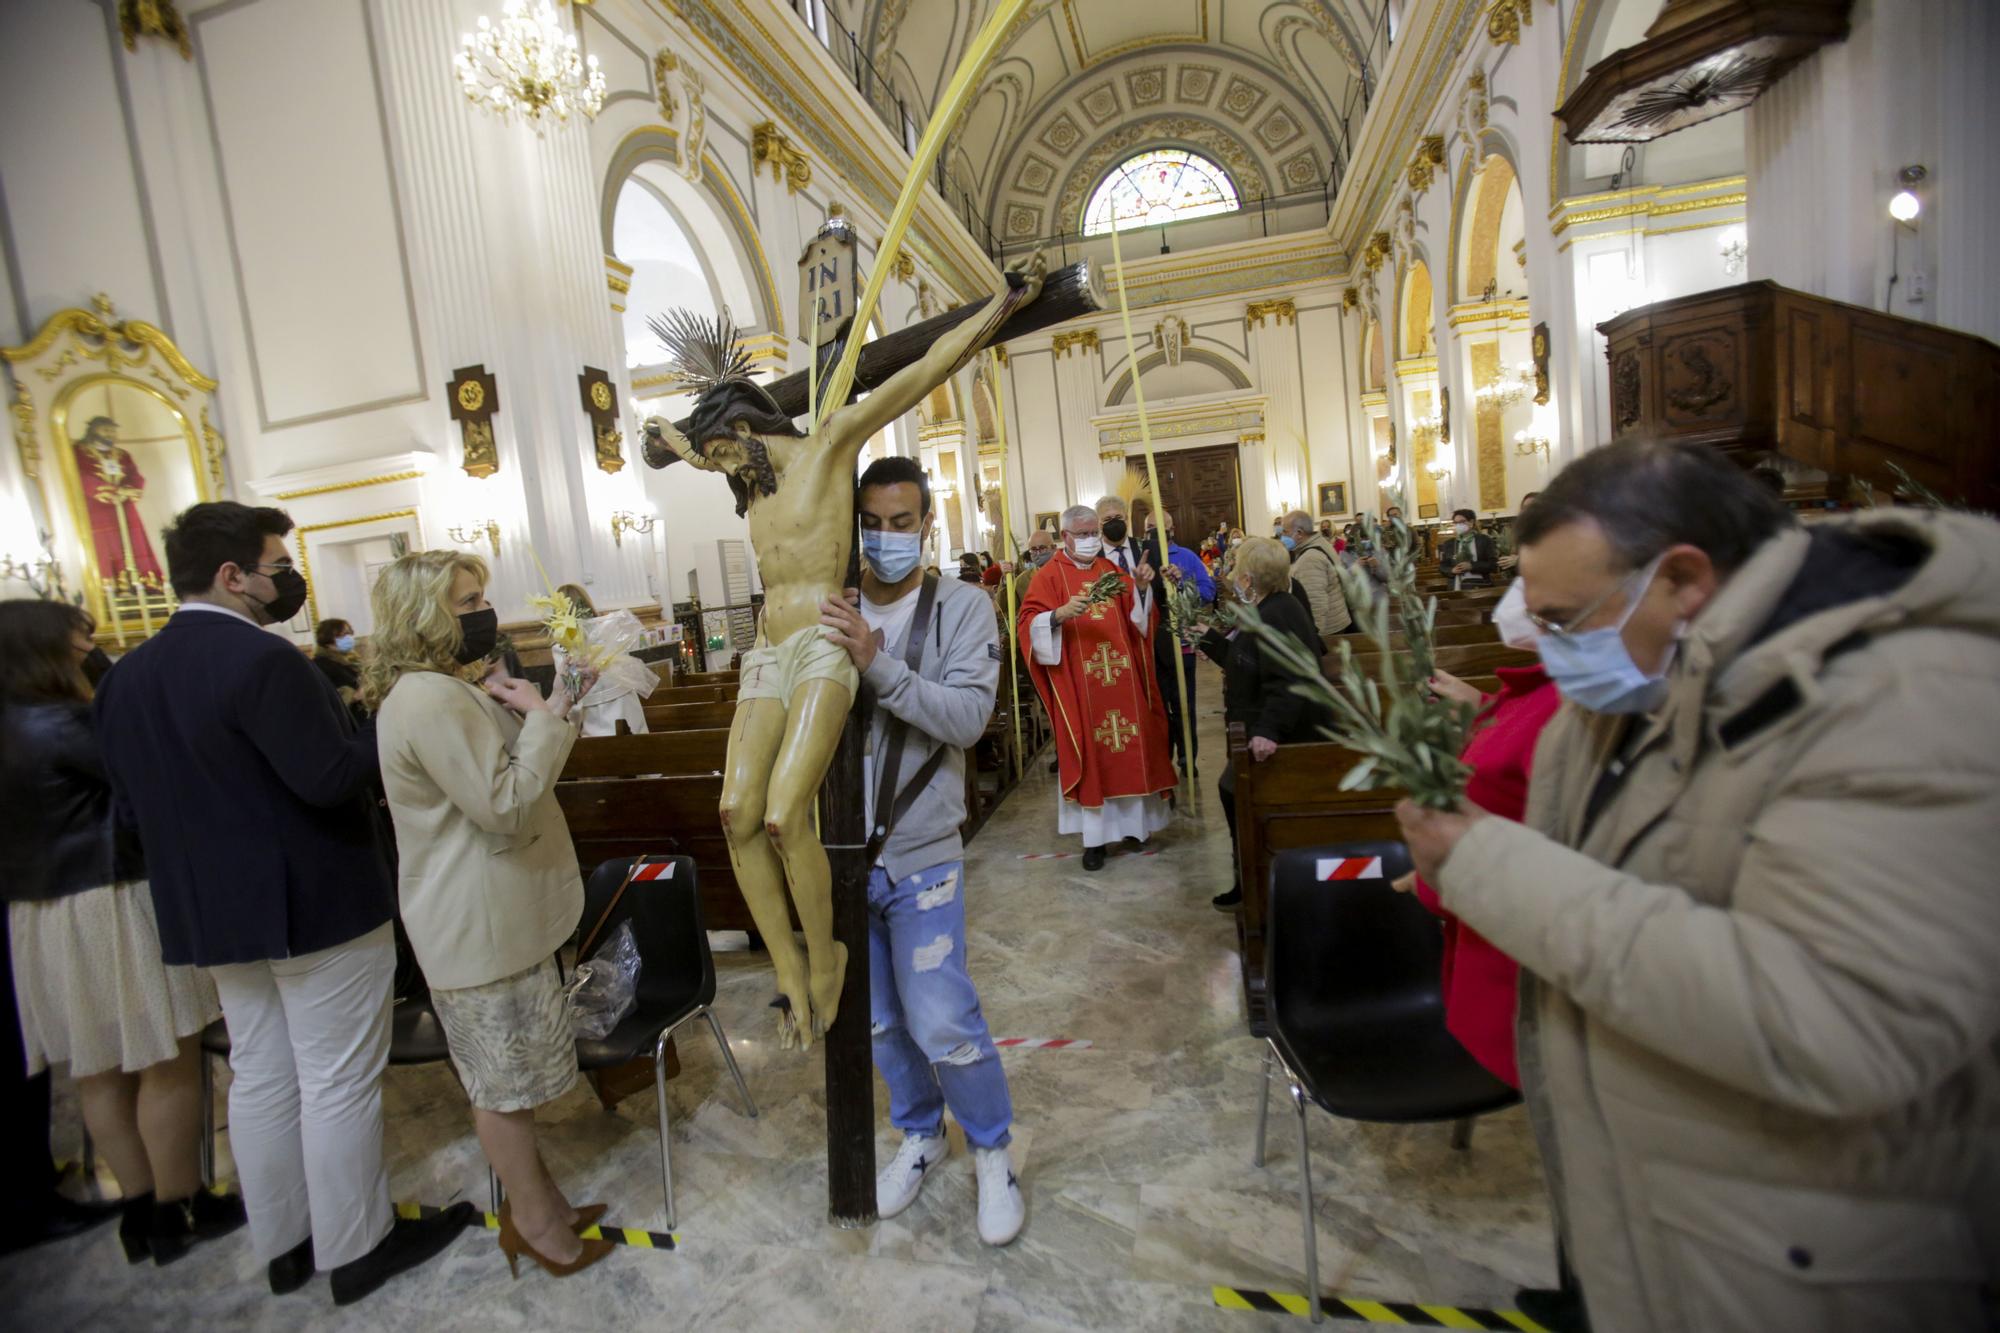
<point x="1198" y="487"/>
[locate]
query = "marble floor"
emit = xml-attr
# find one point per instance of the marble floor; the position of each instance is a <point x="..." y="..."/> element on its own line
<point x="1135" y="1155"/>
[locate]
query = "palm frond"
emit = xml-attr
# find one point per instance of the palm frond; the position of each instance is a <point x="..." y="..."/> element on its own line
<point x="701" y="352"/>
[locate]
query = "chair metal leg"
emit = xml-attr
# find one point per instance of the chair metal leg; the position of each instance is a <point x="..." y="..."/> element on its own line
<point x="207" y="1120"/>
<point x="1263" y="1104"/>
<point x="494" y="1190"/>
<point x="1306" y="1207"/>
<point x="89" y="1155"/>
<point x="1461" y="1134"/>
<point x="666" y="1148"/>
<point x="729" y="1058"/>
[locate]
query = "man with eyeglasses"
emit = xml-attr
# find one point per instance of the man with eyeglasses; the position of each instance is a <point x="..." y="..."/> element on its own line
<point x="248" y="783"/>
<point x="1753" y="900"/>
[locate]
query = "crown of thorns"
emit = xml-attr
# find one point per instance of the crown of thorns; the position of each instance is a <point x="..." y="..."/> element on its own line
<point x="701" y="352"/>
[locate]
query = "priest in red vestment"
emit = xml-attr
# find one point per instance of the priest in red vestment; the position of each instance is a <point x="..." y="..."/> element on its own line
<point x="1094" y="668"/>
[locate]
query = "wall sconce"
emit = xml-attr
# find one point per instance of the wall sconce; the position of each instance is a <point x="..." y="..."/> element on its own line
<point x="44" y="576"/>
<point x="1529" y="442"/>
<point x="1734" y="247"/>
<point x="1905" y="204"/>
<point x="624" y="521"/>
<point x="478" y="529"/>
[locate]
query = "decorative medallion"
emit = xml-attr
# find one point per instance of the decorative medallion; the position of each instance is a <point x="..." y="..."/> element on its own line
<point x="1100" y="103"/>
<point x="1241" y="98"/>
<point x="1147" y="86"/>
<point x="1691" y="381"/>
<point x="1196" y="83"/>
<point x="471" y="395"/>
<point x="1036" y="175"/>
<point x="1061" y="135"/>
<point x="1301" y="170"/>
<point x="1023" y="220"/>
<point x="600" y="396"/>
<point x="1278" y="129"/>
<point x="475" y="398"/>
<point x="599" y="404"/>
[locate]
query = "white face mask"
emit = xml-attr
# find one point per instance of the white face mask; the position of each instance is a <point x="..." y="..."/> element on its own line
<point x="1511" y="619"/>
<point x="1086" y="548"/>
<point x="1462" y="528"/>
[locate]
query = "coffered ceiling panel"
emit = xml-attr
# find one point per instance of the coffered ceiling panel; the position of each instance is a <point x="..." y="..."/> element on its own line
<point x="1268" y="88"/>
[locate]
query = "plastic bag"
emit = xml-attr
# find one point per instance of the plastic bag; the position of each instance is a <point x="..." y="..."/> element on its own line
<point x="603" y="990"/>
<point x="612" y="639"/>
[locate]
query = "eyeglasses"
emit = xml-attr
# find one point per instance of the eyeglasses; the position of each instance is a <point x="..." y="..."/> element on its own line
<point x="261" y="565"/>
<point x="1632" y="583"/>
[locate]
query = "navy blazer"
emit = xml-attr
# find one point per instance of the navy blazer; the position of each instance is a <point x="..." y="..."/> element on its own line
<point x="248" y="782"/>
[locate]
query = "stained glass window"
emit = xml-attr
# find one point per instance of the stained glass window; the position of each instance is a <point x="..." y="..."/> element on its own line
<point x="1164" y="185"/>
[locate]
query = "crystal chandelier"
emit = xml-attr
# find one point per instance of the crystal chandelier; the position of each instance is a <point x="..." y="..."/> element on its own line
<point x="1508" y="390"/>
<point x="1424" y="430"/>
<point x="528" y="65"/>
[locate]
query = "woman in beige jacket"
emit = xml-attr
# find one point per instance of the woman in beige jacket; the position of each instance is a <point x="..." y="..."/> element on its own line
<point x="487" y="881"/>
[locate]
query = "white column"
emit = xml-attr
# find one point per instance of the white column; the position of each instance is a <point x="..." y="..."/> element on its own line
<point x="1079" y="380"/>
<point x="1274" y="352"/>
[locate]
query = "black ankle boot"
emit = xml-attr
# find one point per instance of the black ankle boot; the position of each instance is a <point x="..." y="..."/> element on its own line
<point x="177" y="1226"/>
<point x="135" y="1219"/>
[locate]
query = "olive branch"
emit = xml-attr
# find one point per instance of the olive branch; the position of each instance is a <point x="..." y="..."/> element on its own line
<point x="1405" y="736"/>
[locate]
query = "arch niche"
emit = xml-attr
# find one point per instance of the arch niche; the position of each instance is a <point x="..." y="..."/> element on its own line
<point x="1375" y="404"/>
<point x="1417" y="380"/>
<point x="688" y="245"/>
<point x="1491" y="247"/>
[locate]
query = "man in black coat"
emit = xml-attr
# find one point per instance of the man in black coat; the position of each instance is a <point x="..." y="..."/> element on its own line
<point x="248" y="782"/>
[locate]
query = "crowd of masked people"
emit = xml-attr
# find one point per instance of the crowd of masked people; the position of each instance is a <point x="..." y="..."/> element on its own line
<point x="1720" y="897"/>
<point x="206" y="828"/>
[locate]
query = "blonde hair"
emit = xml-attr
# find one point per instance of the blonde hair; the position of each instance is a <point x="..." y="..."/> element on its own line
<point x="1264" y="562"/>
<point x="415" y="627"/>
<point x="579" y="599"/>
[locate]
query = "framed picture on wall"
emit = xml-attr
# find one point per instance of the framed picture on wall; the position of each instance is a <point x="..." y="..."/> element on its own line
<point x="1332" y="499"/>
<point x="1050" y="520"/>
<point x="1427" y="511"/>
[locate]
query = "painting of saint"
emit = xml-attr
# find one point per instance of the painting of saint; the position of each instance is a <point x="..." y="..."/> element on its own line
<point x="112" y="486"/>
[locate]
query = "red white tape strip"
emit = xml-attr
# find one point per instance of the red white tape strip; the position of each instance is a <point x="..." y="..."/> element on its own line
<point x="1065" y="856"/>
<point x="653" y="870"/>
<point x="1348" y="867"/>
<point x="1043" y="1043"/>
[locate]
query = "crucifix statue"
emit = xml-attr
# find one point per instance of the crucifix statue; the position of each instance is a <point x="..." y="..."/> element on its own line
<point x="796" y="489"/>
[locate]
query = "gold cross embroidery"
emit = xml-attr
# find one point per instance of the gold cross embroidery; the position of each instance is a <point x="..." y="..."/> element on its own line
<point x="1106" y="665"/>
<point x="1099" y="610"/>
<point x="1116" y="733"/>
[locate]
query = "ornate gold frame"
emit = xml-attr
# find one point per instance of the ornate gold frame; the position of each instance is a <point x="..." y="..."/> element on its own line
<point x="76" y="350"/>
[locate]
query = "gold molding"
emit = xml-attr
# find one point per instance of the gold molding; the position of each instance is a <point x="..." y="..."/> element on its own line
<point x="1647" y="208"/>
<point x="84" y="324"/>
<point x="153" y="18"/>
<point x="305" y="555"/>
<point x="1376" y="251"/>
<point x="906" y="267"/>
<point x="1424" y="163"/>
<point x="1283" y="310"/>
<point x="24" y="432"/>
<point x="382" y="480"/>
<point x="771" y="145"/>
<point x="1506" y="19"/>
<point x="1416" y="367"/>
<point x="1083" y="339"/>
<point x="1086" y="61"/>
<point x="1350" y="298"/>
<point x="1650" y="231"/>
<point x="1486" y="312"/>
<point x="1374" y="398"/>
<point x="1652" y="192"/>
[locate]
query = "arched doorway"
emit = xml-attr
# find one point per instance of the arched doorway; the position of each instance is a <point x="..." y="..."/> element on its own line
<point x="1426" y="468"/>
<point x="1491" y="251"/>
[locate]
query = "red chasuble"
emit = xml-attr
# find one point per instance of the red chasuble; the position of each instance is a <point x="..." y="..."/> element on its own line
<point x="1111" y="730"/>
<point x="112" y="486"/>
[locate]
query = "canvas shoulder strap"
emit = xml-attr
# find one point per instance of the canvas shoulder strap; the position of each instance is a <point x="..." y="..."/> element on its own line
<point x="887" y="807"/>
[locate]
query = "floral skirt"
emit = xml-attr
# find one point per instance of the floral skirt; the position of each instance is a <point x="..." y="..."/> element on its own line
<point x="511" y="1039"/>
<point x="91" y="988"/>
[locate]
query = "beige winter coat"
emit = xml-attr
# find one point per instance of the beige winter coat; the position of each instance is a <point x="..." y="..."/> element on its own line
<point x="1760" y="1002"/>
<point x="1316" y="566"/>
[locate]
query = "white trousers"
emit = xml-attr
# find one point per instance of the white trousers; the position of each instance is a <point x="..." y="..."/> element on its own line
<point x="1118" y="818"/>
<point x="309" y="1038"/>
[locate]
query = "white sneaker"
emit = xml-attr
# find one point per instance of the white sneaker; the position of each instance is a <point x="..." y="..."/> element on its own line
<point x="1002" y="1209"/>
<point x="903" y="1179"/>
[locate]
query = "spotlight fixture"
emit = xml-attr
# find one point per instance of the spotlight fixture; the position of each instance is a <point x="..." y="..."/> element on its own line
<point x="1904" y="205"/>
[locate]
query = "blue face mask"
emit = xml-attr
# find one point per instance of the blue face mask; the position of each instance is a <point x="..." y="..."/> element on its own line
<point x="345" y="643"/>
<point x="892" y="555"/>
<point x="1595" y="670"/>
<point x="1291" y="542"/>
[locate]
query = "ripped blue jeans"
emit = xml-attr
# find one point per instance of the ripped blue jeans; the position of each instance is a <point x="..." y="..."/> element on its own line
<point x="931" y="1042"/>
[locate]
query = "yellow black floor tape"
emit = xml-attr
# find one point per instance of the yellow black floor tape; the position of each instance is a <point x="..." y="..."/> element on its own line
<point x="1375" y="1312"/>
<point x="641" y="1240"/>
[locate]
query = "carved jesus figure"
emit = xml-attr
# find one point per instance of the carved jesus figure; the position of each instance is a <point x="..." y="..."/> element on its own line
<point x="796" y="685"/>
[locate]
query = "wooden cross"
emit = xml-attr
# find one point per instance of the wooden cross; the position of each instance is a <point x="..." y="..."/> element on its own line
<point x="1106" y="665"/>
<point x="1116" y="733"/>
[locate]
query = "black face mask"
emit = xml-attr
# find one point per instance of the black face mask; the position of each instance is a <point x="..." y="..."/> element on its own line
<point x="290" y="586"/>
<point x="1114" y="531"/>
<point x="480" y="630"/>
<point x="95" y="664"/>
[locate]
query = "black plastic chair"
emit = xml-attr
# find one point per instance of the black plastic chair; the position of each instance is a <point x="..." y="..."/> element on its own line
<point x="676" y="980"/>
<point x="414" y="1039"/>
<point x="1357" y="1006"/>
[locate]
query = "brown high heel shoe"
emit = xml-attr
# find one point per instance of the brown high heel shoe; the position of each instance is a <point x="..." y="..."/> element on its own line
<point x="589" y="1216"/>
<point x="513" y="1244"/>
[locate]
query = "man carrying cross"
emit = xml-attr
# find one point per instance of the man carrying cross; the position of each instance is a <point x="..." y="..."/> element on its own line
<point x="1092" y="662"/>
